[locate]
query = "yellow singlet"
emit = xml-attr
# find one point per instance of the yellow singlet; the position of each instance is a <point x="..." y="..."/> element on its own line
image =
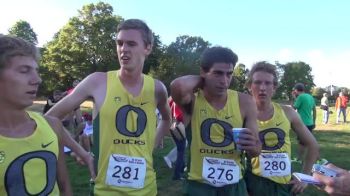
<point x="28" y="165"/>
<point x="124" y="131"/>
<point x="274" y="160"/>
<point x="214" y="158"/>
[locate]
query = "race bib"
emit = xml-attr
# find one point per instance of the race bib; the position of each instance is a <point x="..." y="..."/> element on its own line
<point x="126" y="171"/>
<point x="220" y="172"/>
<point x="274" y="164"/>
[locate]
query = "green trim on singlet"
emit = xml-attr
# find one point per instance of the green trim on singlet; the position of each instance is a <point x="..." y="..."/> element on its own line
<point x="96" y="135"/>
<point x="189" y="141"/>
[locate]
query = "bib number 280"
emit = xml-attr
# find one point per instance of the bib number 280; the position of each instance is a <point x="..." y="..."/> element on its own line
<point x="275" y="164"/>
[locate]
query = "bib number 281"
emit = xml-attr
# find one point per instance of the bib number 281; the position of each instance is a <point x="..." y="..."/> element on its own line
<point x="126" y="171"/>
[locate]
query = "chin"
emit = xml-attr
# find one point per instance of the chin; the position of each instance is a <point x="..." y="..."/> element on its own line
<point x="26" y="103"/>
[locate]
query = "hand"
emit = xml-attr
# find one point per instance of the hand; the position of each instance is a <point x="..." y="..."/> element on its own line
<point x="88" y="159"/>
<point x="294" y="94"/>
<point x="160" y="144"/>
<point x="248" y="141"/>
<point x="298" y="187"/>
<point x="335" y="185"/>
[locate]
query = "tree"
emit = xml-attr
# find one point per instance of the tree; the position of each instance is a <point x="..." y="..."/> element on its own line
<point x="23" y="30"/>
<point x="295" y="72"/>
<point x="239" y="78"/>
<point x="317" y="92"/>
<point x="153" y="60"/>
<point x="84" y="45"/>
<point x="181" y="57"/>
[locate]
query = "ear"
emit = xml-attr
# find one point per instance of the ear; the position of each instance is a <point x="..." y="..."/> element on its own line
<point x="274" y="89"/>
<point x="148" y="49"/>
<point x="201" y="72"/>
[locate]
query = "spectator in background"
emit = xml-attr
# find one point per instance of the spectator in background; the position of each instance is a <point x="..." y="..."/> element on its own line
<point x="70" y="90"/>
<point x="341" y="105"/>
<point x="325" y="107"/>
<point x="306" y="108"/>
<point x="52" y="100"/>
<point x="84" y="132"/>
<point x="177" y="131"/>
<point x="72" y="120"/>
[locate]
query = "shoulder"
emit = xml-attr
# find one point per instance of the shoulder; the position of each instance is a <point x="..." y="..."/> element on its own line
<point x="160" y="91"/>
<point x="97" y="77"/>
<point x="159" y="86"/>
<point x="245" y="99"/>
<point x="93" y="81"/>
<point x="288" y="111"/>
<point x="92" y="84"/>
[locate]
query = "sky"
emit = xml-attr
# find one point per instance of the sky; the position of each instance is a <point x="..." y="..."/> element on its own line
<point x="313" y="31"/>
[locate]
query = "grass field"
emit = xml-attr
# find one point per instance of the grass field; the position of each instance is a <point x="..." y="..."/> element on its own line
<point x="334" y="141"/>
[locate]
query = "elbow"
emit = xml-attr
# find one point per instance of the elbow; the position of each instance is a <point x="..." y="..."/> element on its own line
<point x="314" y="148"/>
<point x="175" y="85"/>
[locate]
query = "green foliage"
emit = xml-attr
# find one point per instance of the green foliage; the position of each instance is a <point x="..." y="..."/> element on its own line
<point x="181" y="57"/>
<point x="84" y="45"/>
<point x="240" y="74"/>
<point x="317" y="92"/>
<point x="23" y="30"/>
<point x="153" y="60"/>
<point x="294" y="72"/>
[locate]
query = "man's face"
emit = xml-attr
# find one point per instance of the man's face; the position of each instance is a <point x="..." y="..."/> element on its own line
<point x="218" y="78"/>
<point x="295" y="93"/>
<point x="131" y="49"/>
<point x="19" y="81"/>
<point x="262" y="87"/>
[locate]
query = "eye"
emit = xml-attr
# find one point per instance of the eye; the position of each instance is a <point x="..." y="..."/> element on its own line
<point x="24" y="69"/>
<point x="131" y="43"/>
<point x="256" y="82"/>
<point x="119" y="42"/>
<point x="268" y="83"/>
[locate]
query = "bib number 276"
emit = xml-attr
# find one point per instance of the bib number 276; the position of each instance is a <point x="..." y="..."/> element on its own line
<point x="220" y="172"/>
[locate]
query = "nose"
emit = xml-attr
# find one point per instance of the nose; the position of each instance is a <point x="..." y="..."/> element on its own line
<point x="226" y="81"/>
<point x="123" y="47"/>
<point x="262" y="86"/>
<point x="36" y="79"/>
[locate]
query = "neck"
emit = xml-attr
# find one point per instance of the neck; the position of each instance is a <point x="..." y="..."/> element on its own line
<point x="132" y="81"/>
<point x="11" y="118"/>
<point x="130" y="77"/>
<point x="217" y="101"/>
<point x="265" y="111"/>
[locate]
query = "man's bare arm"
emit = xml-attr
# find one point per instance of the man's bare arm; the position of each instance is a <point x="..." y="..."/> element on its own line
<point x="249" y="141"/>
<point x="182" y="90"/>
<point x="164" y="110"/>
<point x="305" y="137"/>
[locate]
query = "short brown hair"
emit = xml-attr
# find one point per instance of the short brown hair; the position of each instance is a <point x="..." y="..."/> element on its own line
<point x="264" y="67"/>
<point x="11" y="46"/>
<point x="139" y="25"/>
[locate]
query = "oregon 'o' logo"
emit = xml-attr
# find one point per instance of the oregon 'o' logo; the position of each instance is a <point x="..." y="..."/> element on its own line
<point x="2" y="156"/>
